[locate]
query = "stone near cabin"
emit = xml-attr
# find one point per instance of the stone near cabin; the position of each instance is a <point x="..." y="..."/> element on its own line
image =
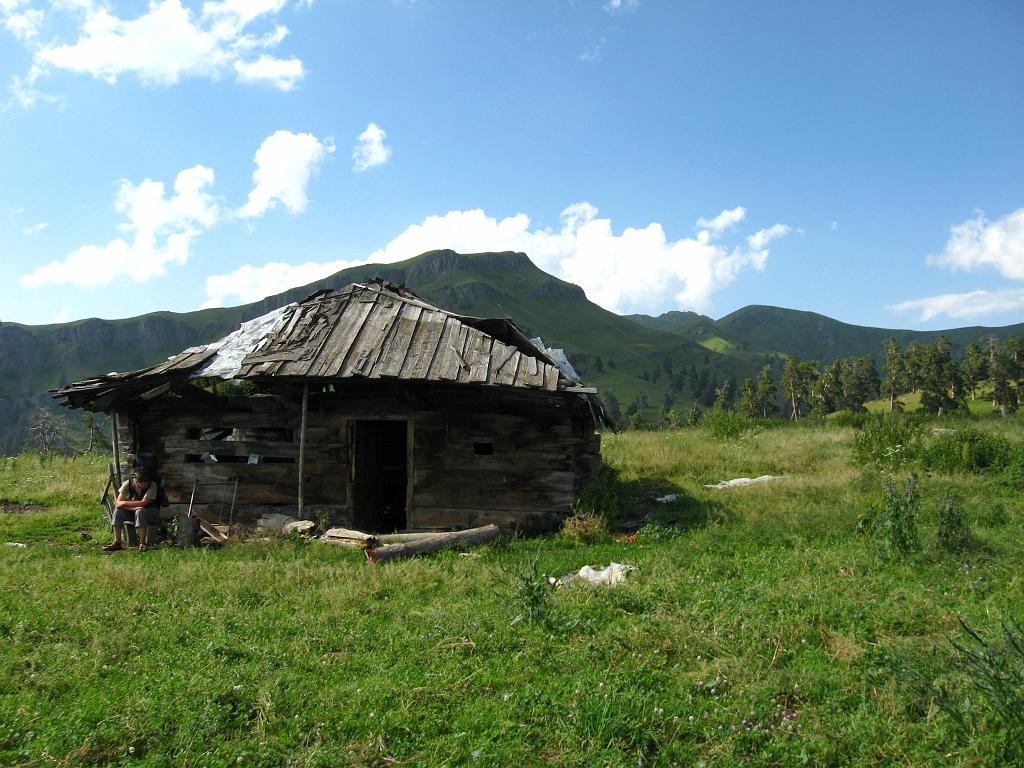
<point x="301" y="527"/>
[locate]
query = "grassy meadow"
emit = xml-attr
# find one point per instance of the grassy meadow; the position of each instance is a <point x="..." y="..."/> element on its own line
<point x="776" y="624"/>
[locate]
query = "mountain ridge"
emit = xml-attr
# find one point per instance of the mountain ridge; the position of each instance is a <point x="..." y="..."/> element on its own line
<point x="677" y="354"/>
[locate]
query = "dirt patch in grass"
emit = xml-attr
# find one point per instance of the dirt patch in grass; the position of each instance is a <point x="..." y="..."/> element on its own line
<point x="20" y="509"/>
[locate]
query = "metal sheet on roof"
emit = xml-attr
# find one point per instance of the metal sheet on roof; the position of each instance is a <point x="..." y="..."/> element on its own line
<point x="232" y="349"/>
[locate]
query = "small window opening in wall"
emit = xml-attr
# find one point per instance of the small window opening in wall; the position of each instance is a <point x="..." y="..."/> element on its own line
<point x="239" y="434"/>
<point x="483" y="448"/>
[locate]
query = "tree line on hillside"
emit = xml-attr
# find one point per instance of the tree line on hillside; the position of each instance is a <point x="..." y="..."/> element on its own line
<point x="805" y="387"/>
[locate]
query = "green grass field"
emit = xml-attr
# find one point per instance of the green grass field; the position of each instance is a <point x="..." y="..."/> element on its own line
<point x="762" y="626"/>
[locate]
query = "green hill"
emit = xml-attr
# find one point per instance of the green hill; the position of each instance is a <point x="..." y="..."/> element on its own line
<point x="759" y="331"/>
<point x="608" y="350"/>
<point x="629" y="356"/>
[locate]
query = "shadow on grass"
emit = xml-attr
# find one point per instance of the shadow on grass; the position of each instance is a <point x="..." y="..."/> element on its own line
<point x="628" y="505"/>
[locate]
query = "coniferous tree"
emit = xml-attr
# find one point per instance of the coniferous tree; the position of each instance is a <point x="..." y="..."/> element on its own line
<point x="667" y="401"/>
<point x="1014" y="346"/>
<point x="723" y="396"/>
<point x="942" y="386"/>
<point x="766" y="393"/>
<point x="797" y="380"/>
<point x="975" y="368"/>
<point x="747" y="403"/>
<point x="612" y="407"/>
<point x="828" y="390"/>
<point x="1000" y="370"/>
<point x="914" y="361"/>
<point x="865" y="384"/>
<point x="896" y="382"/>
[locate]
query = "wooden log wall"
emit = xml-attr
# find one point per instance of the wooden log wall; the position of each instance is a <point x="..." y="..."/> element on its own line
<point x="479" y="456"/>
<point x="183" y="436"/>
<point x="500" y="461"/>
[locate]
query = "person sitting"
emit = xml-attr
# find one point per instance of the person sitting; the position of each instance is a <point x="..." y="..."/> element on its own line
<point x="136" y="502"/>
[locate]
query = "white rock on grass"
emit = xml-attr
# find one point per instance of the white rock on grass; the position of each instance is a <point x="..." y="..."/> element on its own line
<point x="615" y="573"/>
<point x="301" y="527"/>
<point x="742" y="481"/>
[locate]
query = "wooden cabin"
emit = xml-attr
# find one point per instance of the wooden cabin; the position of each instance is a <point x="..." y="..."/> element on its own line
<point x="366" y="406"/>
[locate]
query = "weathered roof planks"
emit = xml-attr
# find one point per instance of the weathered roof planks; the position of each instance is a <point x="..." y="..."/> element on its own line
<point x="374" y="330"/>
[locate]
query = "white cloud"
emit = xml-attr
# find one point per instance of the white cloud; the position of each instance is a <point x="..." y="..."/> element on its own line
<point x="979" y="242"/>
<point x="762" y="237"/>
<point x="280" y="73"/>
<point x="24" y="91"/>
<point x="964" y="305"/>
<point x="638" y="270"/>
<point x="724" y="220"/>
<point x="159" y="231"/>
<point x="24" y="25"/>
<point x="159" y="228"/>
<point x="621" y="5"/>
<point x="285" y="162"/>
<point x="35" y="229"/>
<point x="164" y="44"/>
<point x="370" y="149"/>
<point x="249" y="283"/>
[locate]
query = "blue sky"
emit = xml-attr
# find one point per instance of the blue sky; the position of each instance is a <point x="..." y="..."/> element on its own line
<point x="859" y="160"/>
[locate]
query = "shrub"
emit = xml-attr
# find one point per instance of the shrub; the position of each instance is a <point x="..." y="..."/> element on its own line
<point x="953" y="534"/>
<point x="992" y="677"/>
<point x="585" y="527"/>
<point x="600" y="495"/>
<point x="896" y="524"/>
<point x="531" y="593"/>
<point x="856" y="419"/>
<point x="887" y="443"/>
<point x="967" y="450"/>
<point x="723" y="424"/>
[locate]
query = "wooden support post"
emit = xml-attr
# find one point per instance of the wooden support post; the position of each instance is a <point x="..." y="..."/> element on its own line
<point x="410" y="443"/>
<point x="115" y="445"/>
<point x="302" y="447"/>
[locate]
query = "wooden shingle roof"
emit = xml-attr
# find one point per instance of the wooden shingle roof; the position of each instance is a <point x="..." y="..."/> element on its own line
<point x="374" y="330"/>
<point x="382" y="331"/>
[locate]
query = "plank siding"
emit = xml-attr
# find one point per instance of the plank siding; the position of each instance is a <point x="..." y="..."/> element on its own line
<point x="478" y="456"/>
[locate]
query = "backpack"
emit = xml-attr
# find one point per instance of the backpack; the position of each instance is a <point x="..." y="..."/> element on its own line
<point x="161" y="494"/>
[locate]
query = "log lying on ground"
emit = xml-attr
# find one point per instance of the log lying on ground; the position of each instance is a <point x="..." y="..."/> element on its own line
<point x="432" y="543"/>
<point x="345" y="537"/>
<point x="404" y="538"/>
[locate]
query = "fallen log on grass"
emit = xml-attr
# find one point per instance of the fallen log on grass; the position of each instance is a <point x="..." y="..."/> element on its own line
<point x="432" y="543"/>
<point x="345" y="537"/>
<point x="404" y="538"/>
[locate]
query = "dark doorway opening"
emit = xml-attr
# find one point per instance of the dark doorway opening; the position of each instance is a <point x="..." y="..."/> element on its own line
<point x="380" y="475"/>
